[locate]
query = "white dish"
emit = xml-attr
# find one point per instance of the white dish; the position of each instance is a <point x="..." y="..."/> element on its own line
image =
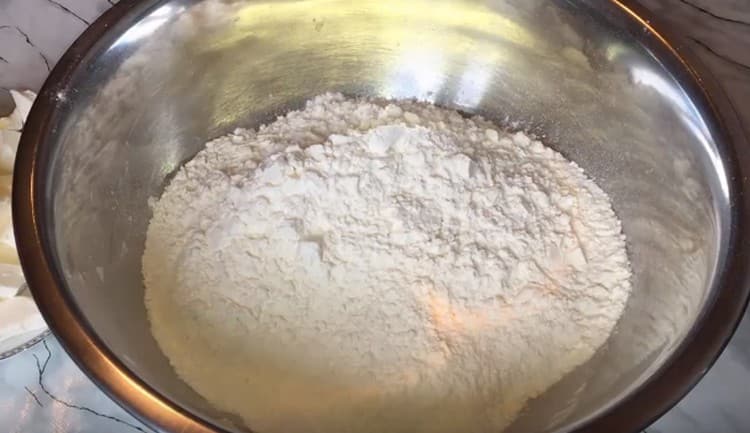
<point x="21" y="324"/>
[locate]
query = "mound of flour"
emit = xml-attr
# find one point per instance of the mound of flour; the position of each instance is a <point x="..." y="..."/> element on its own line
<point x="368" y="267"/>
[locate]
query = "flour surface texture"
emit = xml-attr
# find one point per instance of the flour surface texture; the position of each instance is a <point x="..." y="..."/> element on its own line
<point x="364" y="266"/>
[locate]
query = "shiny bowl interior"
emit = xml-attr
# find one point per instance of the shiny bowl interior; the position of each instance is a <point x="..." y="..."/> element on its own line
<point x="153" y="80"/>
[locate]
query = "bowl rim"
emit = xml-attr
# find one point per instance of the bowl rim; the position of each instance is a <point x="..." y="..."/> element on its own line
<point x="680" y="373"/>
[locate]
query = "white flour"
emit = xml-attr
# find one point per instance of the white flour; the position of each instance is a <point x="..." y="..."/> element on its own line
<point x="357" y="267"/>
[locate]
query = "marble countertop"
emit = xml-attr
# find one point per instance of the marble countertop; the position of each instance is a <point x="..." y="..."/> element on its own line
<point x="42" y="391"/>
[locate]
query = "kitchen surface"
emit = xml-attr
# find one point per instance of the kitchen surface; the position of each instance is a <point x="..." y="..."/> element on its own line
<point x="42" y="390"/>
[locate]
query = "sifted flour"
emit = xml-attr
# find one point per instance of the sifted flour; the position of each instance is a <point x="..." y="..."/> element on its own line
<point x="366" y="267"/>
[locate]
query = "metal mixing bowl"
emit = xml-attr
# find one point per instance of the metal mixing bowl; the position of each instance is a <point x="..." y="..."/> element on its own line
<point x="151" y="81"/>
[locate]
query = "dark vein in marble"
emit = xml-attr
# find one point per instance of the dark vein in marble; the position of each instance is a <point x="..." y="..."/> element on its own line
<point x="719" y="55"/>
<point x="31" y="44"/>
<point x="68" y="11"/>
<point x="712" y="14"/>
<point x="31" y="393"/>
<point x="3" y="59"/>
<point x="46" y="62"/>
<point x="41" y="367"/>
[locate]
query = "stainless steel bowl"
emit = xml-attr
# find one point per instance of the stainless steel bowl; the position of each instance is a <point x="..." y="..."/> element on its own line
<point x="142" y="90"/>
